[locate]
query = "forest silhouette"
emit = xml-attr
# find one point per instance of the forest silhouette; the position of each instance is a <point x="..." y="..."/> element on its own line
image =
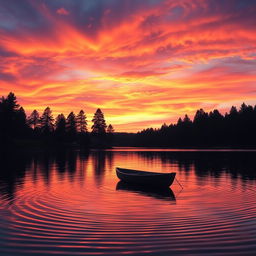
<point x="233" y="129"/>
<point x="17" y="128"/>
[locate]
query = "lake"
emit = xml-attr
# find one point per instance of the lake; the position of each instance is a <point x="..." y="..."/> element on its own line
<point x="72" y="203"/>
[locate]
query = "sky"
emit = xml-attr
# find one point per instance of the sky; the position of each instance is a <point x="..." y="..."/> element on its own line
<point x="143" y="62"/>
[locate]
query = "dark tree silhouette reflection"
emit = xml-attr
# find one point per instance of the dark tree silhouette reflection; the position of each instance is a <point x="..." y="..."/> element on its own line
<point x="14" y="166"/>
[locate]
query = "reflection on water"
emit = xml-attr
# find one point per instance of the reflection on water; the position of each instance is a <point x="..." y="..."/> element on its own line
<point x="160" y="193"/>
<point x="71" y="203"/>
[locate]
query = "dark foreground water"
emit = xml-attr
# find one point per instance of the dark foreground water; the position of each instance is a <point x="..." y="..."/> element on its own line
<point x="71" y="203"/>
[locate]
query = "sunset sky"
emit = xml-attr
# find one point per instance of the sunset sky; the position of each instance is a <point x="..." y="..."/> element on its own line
<point x="143" y="62"/>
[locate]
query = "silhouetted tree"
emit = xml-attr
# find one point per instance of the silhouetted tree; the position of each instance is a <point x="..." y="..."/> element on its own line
<point x="236" y="128"/>
<point x="110" y="134"/>
<point x="46" y="121"/>
<point x="164" y="127"/>
<point x="243" y="108"/>
<point x="34" y="120"/>
<point x="200" y="117"/>
<point x="60" y="127"/>
<point x="11" y="103"/>
<point x="201" y="125"/>
<point x="99" y="123"/>
<point x="186" y="120"/>
<point x="21" y="124"/>
<point x="71" y="124"/>
<point x="110" y="129"/>
<point x="99" y="138"/>
<point x="10" y="118"/>
<point x="180" y="122"/>
<point x="233" y="112"/>
<point x="81" y="122"/>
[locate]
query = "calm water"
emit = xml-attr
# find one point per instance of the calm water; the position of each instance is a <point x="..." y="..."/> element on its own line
<point x="71" y="203"/>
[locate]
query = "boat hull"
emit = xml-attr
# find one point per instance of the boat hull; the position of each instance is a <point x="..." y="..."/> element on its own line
<point x="145" y="178"/>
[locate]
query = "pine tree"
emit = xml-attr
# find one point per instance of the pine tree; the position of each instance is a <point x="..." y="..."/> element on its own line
<point x="20" y="120"/>
<point x="179" y="122"/>
<point x="34" y="120"/>
<point x="11" y="102"/>
<point x="164" y="127"/>
<point x="60" y="125"/>
<point x="110" y="135"/>
<point x="47" y="121"/>
<point x="233" y="111"/>
<point x="99" y="123"/>
<point x="8" y="116"/>
<point x="243" y="108"/>
<point x="12" y="118"/>
<point x="110" y="129"/>
<point x="215" y="115"/>
<point x="200" y="116"/>
<point x="71" y="124"/>
<point x="21" y="116"/>
<point x="186" y="120"/>
<point x="81" y="123"/>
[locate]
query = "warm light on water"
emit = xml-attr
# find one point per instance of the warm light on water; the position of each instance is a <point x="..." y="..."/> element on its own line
<point x="70" y="203"/>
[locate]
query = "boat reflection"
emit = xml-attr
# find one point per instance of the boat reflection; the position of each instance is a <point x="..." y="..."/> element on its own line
<point x="159" y="193"/>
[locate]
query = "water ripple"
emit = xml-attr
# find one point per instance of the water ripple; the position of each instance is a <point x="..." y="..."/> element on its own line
<point x="42" y="222"/>
<point x="81" y="218"/>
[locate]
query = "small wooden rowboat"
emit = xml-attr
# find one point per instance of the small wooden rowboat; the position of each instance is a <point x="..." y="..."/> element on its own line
<point x="155" y="179"/>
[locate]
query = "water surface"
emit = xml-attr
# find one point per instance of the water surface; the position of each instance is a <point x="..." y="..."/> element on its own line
<point x="71" y="203"/>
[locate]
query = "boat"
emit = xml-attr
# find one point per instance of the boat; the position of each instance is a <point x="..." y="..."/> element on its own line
<point x="145" y="178"/>
<point x="162" y="193"/>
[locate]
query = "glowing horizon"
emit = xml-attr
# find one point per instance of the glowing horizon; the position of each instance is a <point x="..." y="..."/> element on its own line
<point x="142" y="62"/>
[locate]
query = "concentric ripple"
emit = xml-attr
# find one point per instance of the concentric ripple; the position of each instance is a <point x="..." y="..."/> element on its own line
<point x="81" y="216"/>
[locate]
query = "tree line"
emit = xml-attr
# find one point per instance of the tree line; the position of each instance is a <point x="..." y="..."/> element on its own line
<point x="237" y="128"/>
<point x="16" y="126"/>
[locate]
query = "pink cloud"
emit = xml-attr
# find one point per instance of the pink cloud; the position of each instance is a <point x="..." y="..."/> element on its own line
<point x="62" y="11"/>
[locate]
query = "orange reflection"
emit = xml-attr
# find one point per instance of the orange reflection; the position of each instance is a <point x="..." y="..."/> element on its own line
<point x="72" y="201"/>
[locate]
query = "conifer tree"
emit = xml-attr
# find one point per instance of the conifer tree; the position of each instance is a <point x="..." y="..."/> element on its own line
<point x="34" y="120"/>
<point x="46" y="121"/>
<point x="110" y="135"/>
<point x="11" y="102"/>
<point x="186" y="120"/>
<point x="179" y="122"/>
<point x="99" y="123"/>
<point x="12" y="118"/>
<point x="8" y="115"/>
<point x="233" y="111"/>
<point x="71" y="124"/>
<point x="81" y="122"/>
<point x="21" y="116"/>
<point x="20" y="122"/>
<point x="60" y="125"/>
<point x="110" y="129"/>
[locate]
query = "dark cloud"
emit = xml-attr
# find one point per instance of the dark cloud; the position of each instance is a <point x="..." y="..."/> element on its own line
<point x="8" y="77"/>
<point x="20" y="14"/>
<point x="88" y="16"/>
<point x="6" y="53"/>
